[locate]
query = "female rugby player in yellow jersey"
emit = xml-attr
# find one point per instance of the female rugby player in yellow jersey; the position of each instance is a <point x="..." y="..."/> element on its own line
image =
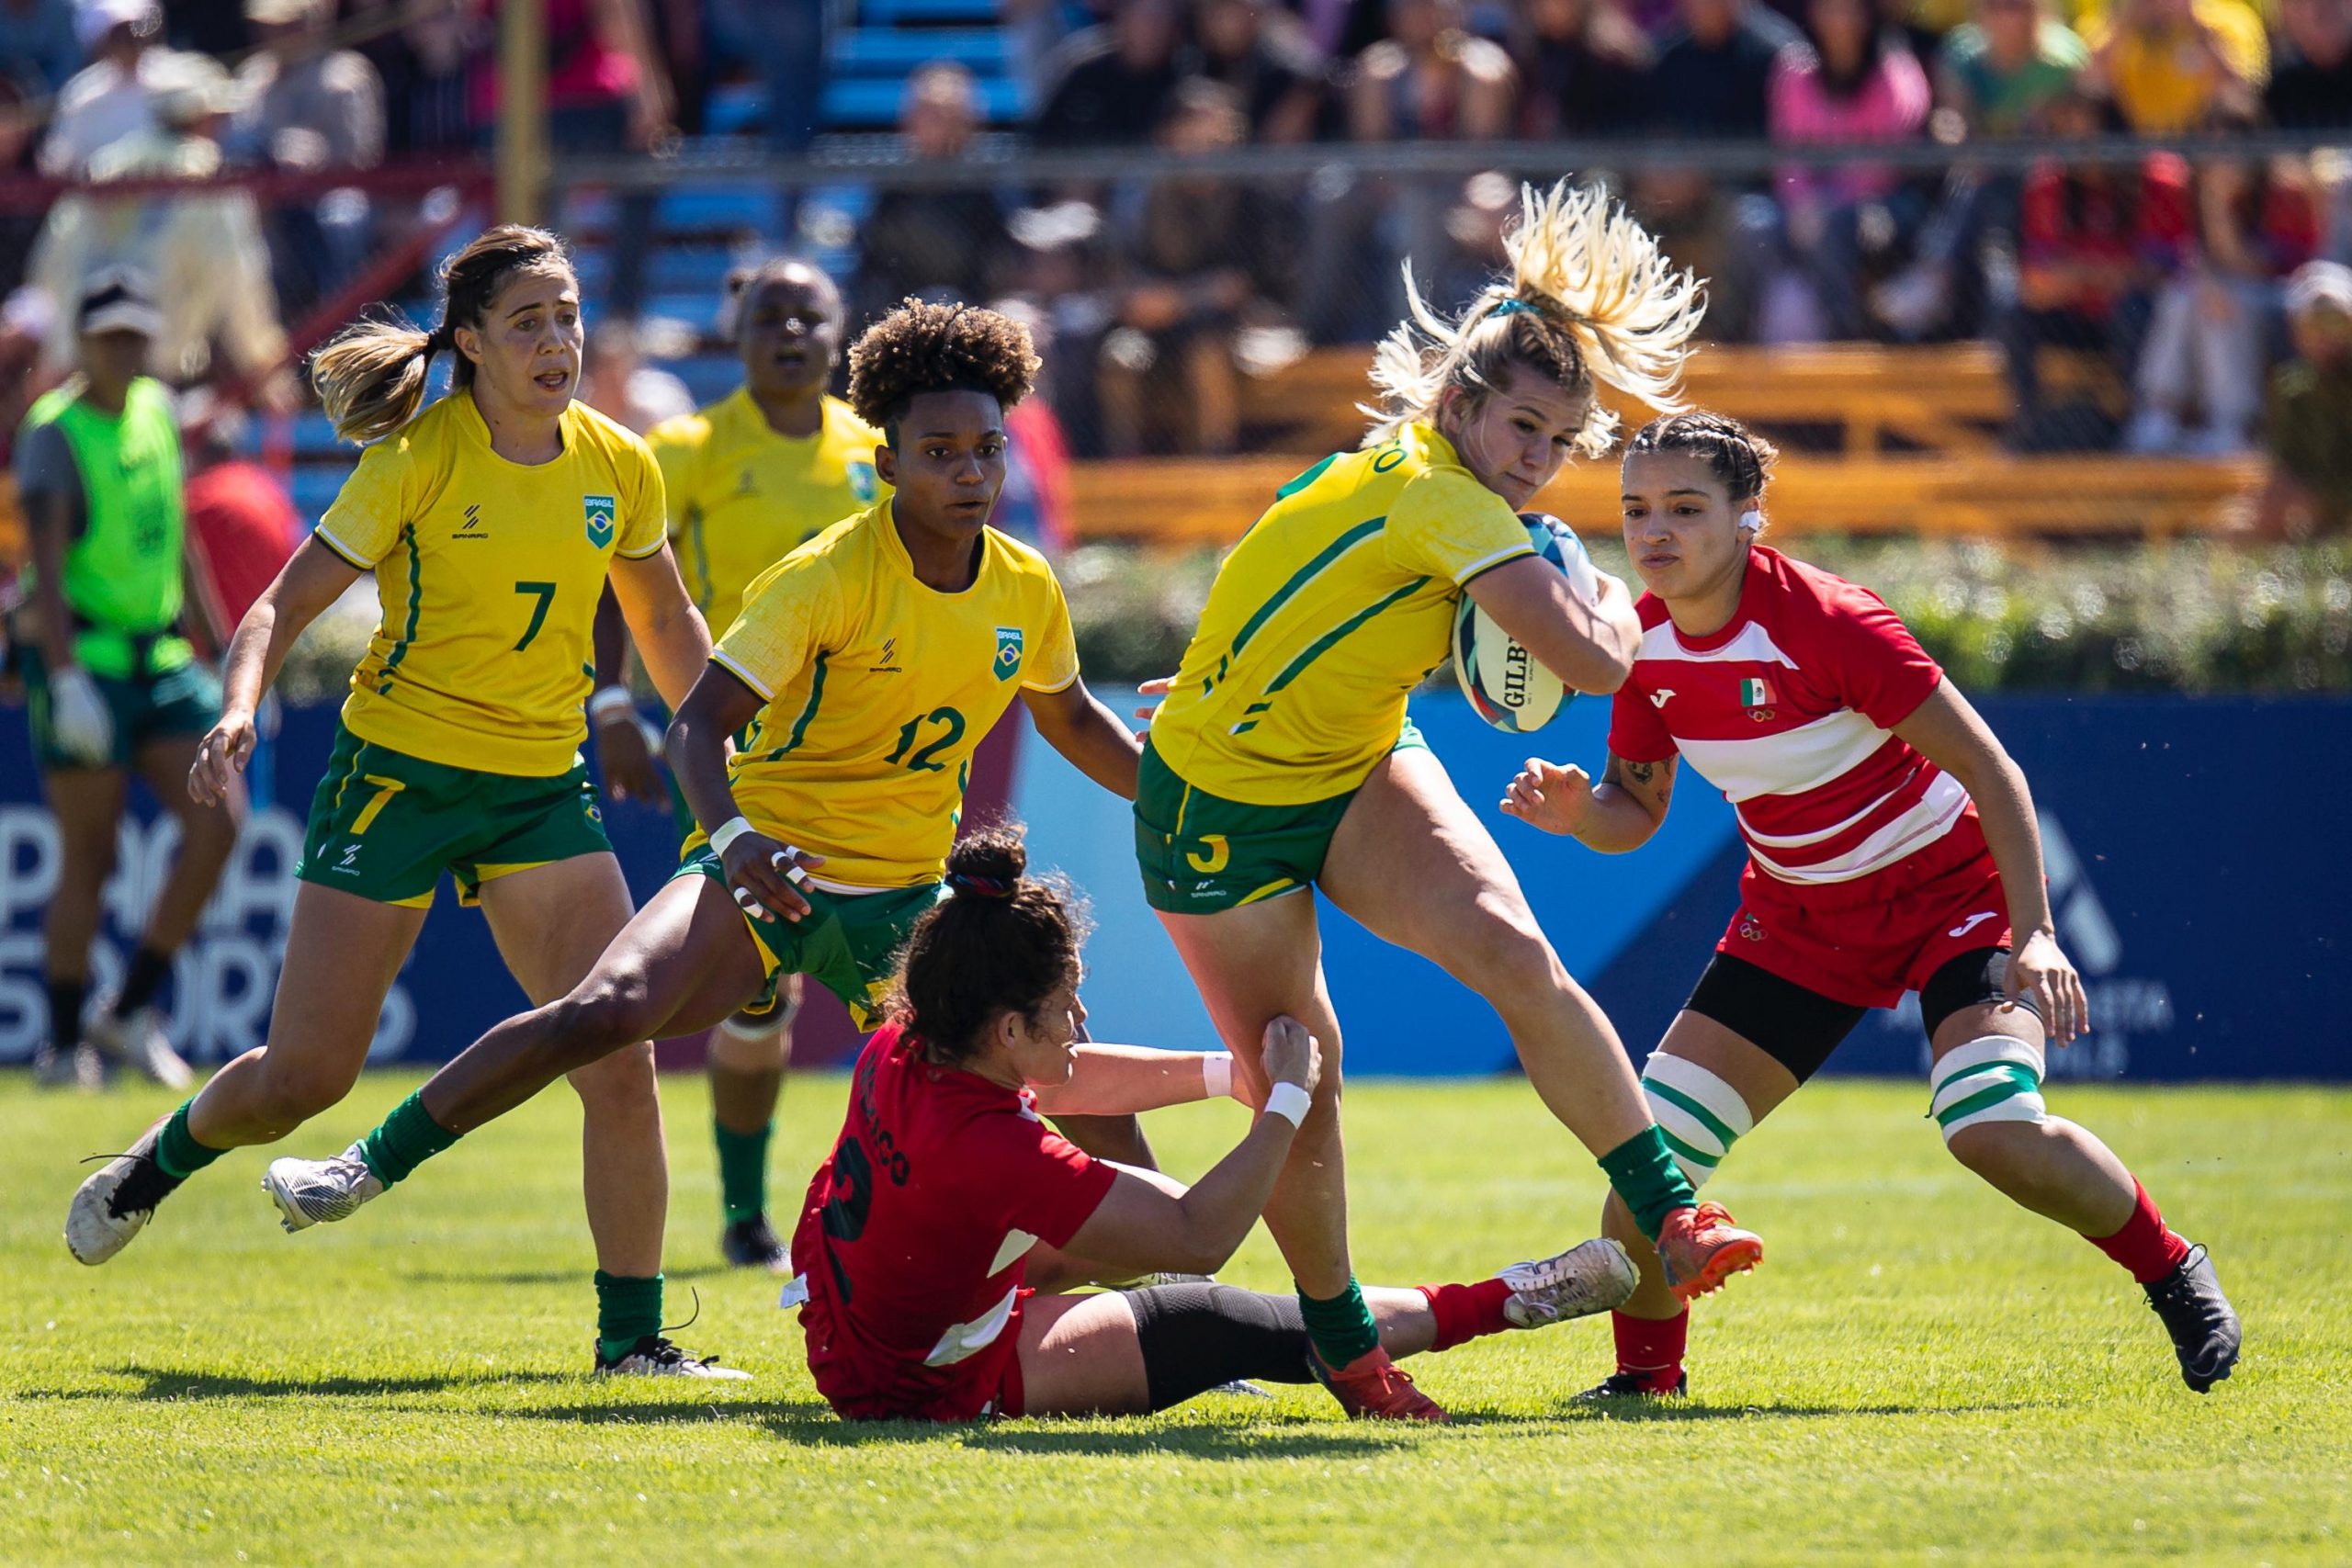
<point x="868" y="664"/>
<point x="1282" y="758"/>
<point x="774" y="463"/>
<point x="491" y="521"/>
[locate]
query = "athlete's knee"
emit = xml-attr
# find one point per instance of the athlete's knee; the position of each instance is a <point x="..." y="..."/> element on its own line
<point x="622" y="1078"/>
<point x="607" y="1012"/>
<point x="293" y="1090"/>
<point x="1506" y="959"/>
<point x="1699" y="1113"/>
<point x="1985" y="1097"/>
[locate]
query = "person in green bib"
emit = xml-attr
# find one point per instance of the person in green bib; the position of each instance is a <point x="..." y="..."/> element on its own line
<point x="113" y="688"/>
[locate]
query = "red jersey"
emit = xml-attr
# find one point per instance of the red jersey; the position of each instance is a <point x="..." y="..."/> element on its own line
<point x="1788" y="710"/>
<point x="915" y="1235"/>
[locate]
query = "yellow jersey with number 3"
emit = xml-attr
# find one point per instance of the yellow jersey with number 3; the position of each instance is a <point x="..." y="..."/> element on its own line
<point x="488" y="573"/>
<point x="876" y="689"/>
<point x="741" y="497"/>
<point x="1330" y="610"/>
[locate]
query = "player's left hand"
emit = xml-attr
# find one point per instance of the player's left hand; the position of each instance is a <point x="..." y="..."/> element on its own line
<point x="1156" y="687"/>
<point x="2041" y="974"/>
<point x="625" y="758"/>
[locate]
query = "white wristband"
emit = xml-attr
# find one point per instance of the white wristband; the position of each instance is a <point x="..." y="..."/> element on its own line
<point x="728" y="831"/>
<point x="610" y="701"/>
<point x="1217" y="1074"/>
<point x="1290" y="1102"/>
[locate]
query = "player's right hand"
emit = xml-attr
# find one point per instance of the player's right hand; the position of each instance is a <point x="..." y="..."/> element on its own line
<point x="1291" y="1054"/>
<point x="758" y="875"/>
<point x="79" y="719"/>
<point x="1546" y="795"/>
<point x="1156" y="687"/>
<point x="223" y="754"/>
<point x="625" y="759"/>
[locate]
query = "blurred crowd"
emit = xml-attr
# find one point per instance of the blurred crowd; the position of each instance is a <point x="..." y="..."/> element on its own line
<point x="1158" y="295"/>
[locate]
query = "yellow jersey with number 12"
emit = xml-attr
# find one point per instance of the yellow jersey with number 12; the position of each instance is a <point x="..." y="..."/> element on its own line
<point x="741" y="497"/>
<point x="1330" y="610"/>
<point x="488" y="573"/>
<point x="876" y="689"/>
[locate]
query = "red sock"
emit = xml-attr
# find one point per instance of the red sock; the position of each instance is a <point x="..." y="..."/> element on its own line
<point x="1465" y="1311"/>
<point x="1651" y="1347"/>
<point x="2145" y="1245"/>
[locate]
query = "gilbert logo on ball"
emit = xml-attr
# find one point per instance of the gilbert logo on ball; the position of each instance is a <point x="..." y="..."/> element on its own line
<point x="1506" y="685"/>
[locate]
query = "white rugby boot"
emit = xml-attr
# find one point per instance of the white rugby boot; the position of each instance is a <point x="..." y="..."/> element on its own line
<point x="138" y="1041"/>
<point x="319" y="1191"/>
<point x="115" y="1205"/>
<point x="1590" y="1277"/>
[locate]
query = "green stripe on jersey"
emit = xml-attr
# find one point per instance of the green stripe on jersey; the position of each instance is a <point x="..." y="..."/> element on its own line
<point x="800" y="724"/>
<point x="1303" y="576"/>
<point x="1325" y="643"/>
<point x="415" y="606"/>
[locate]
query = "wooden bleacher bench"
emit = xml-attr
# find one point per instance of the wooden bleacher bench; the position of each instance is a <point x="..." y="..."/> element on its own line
<point x="1183" y="503"/>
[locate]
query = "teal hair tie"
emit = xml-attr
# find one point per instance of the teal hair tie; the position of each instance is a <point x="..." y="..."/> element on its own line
<point x="1512" y="308"/>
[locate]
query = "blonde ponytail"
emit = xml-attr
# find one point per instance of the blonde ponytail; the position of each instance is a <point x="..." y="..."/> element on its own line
<point x="370" y="379"/>
<point x="1589" y="295"/>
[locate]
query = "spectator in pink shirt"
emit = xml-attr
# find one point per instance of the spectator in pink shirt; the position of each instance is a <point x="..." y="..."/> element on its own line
<point x="1853" y="80"/>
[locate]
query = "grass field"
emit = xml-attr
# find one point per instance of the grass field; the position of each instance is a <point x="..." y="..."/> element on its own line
<point x="1919" y="1371"/>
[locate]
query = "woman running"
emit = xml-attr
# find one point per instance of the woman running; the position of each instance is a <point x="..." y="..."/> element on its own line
<point x="1891" y="847"/>
<point x="945" y="1190"/>
<point x="867" y="664"/>
<point x="491" y="522"/>
<point x="766" y="467"/>
<point x="1282" y="758"/>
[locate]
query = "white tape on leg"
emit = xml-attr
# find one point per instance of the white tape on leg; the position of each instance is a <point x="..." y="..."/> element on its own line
<point x="1995" y="1079"/>
<point x="1701" y="1114"/>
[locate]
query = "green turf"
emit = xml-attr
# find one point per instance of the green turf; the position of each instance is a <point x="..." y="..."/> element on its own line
<point x="1919" y="1371"/>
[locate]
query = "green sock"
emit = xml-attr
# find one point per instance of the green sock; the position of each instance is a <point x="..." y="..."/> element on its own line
<point x="744" y="1172"/>
<point x="626" y="1311"/>
<point x="405" y="1139"/>
<point x="1341" y="1329"/>
<point x="1643" y="1170"/>
<point x="176" y="1150"/>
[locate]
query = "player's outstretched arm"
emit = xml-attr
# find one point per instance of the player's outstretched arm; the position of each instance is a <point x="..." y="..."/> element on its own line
<point x="1075" y="722"/>
<point x="1614" y="817"/>
<point x="1949" y="732"/>
<point x="1143" y="1227"/>
<point x="313" y="579"/>
<point x="1590" y="646"/>
<point x="670" y="633"/>
<point x="1122" y="1080"/>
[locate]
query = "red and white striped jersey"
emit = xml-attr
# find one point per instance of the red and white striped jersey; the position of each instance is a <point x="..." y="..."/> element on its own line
<point x="1788" y="710"/>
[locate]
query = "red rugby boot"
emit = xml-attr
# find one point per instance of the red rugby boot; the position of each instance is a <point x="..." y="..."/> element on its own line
<point x="1701" y="1248"/>
<point x="1374" y="1388"/>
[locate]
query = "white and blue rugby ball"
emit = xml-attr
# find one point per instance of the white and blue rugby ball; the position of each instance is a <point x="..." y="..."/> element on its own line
<point x="1505" y="684"/>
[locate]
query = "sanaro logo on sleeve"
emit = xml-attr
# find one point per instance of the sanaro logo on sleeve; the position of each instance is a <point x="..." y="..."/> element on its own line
<point x="599" y="511"/>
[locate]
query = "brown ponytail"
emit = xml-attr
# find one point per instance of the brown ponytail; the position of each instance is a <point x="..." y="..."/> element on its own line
<point x="370" y="376"/>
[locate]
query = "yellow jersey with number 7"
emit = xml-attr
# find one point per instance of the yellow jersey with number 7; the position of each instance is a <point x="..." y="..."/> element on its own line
<point x="488" y="573"/>
<point x="876" y="691"/>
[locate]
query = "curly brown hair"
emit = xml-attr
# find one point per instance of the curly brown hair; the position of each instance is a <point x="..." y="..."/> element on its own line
<point x="926" y="347"/>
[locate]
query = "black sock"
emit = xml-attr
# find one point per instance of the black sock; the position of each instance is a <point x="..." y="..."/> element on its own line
<point x="148" y="970"/>
<point x="65" y="999"/>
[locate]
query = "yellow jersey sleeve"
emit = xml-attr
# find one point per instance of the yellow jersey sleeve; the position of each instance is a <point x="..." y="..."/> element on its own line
<point x="644" y="521"/>
<point x="678" y="445"/>
<point x="790" y="611"/>
<point x="380" y="499"/>
<point x="1445" y="524"/>
<point x="1056" y="663"/>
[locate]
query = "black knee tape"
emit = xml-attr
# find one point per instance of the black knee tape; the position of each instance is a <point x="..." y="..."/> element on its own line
<point x="1796" y="1027"/>
<point x="1975" y="978"/>
<point x="1194" y="1338"/>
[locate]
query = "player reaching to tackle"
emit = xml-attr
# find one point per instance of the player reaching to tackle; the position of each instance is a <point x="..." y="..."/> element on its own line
<point x="945" y="1190"/>
<point x="491" y="522"/>
<point x="868" y="664"/>
<point x="1283" y="759"/>
<point x="1891" y="847"/>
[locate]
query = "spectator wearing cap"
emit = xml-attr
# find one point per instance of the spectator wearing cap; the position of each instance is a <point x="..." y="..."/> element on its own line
<point x="2310" y="487"/>
<point x="1110" y="83"/>
<point x="2311" y="82"/>
<point x="114" y="687"/>
<point x="1262" y="53"/>
<point x="2178" y="66"/>
<point x="203" y="247"/>
<point x="38" y="42"/>
<point x="948" y="242"/>
<point x="112" y="96"/>
<point x="308" y="106"/>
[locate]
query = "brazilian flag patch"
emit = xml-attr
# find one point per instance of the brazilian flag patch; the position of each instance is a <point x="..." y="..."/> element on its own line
<point x="599" y="511"/>
<point x="1008" y="653"/>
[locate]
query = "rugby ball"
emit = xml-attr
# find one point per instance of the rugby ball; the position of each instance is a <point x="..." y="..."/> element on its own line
<point x="1505" y="684"/>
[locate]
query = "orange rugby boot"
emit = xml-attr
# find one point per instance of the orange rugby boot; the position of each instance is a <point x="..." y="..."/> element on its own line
<point x="1701" y="1247"/>
<point x="1374" y="1388"/>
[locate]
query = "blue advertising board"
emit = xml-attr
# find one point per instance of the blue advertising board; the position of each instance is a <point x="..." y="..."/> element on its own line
<point x="2197" y="856"/>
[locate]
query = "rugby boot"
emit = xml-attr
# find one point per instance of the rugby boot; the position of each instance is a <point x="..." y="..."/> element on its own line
<point x="1374" y="1388"/>
<point x="655" y="1357"/>
<point x="753" y="1243"/>
<point x="318" y="1191"/>
<point x="138" y="1041"/>
<point x="2203" y="1323"/>
<point x="1594" y="1276"/>
<point x="1632" y="1385"/>
<point x="115" y="1205"/>
<point x="1701" y="1248"/>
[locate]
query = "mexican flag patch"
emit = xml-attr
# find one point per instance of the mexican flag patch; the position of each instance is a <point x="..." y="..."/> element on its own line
<point x="1756" y="693"/>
